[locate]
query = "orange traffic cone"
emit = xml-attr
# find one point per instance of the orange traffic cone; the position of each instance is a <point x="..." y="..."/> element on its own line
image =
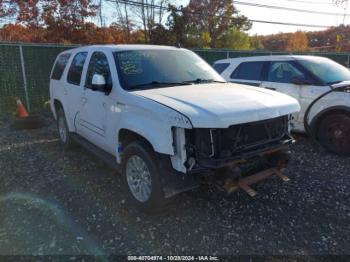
<point x="22" y="112"/>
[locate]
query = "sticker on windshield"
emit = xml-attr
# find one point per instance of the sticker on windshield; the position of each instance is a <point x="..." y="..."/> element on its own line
<point x="130" y="68"/>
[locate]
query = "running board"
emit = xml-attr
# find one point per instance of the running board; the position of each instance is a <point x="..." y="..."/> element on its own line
<point x="99" y="153"/>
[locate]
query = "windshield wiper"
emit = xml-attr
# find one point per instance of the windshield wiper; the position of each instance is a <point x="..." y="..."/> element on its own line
<point x="201" y="80"/>
<point x="157" y="84"/>
<point x="166" y="84"/>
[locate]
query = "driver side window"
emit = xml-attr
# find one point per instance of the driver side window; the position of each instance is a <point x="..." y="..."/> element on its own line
<point x="98" y="65"/>
<point x="283" y="72"/>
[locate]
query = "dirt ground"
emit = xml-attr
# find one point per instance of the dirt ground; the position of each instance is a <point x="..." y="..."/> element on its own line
<point x="57" y="202"/>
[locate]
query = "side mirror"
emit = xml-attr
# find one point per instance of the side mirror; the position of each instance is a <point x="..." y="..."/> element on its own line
<point x="300" y="81"/>
<point x="98" y="83"/>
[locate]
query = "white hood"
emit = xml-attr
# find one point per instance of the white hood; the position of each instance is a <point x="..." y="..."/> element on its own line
<point x="218" y="105"/>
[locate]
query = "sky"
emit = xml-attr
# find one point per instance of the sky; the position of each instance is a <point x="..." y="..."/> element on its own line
<point x="259" y="13"/>
<point x="268" y="14"/>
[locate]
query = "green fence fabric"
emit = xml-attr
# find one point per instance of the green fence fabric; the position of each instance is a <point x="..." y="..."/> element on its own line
<point x="11" y="82"/>
<point x="38" y="61"/>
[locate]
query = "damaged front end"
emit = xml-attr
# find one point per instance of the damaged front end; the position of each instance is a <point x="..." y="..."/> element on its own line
<point x="243" y="150"/>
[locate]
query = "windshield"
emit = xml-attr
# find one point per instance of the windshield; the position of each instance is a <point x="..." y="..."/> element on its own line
<point x="146" y="69"/>
<point x="328" y="71"/>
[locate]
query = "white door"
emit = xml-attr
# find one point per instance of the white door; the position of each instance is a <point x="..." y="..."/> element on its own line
<point x="282" y="76"/>
<point x="96" y="103"/>
<point x="73" y="87"/>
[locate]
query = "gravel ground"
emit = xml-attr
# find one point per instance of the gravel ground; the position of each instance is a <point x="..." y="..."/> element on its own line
<point x="57" y="202"/>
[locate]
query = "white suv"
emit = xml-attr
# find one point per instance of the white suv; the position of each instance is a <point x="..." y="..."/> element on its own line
<point x="320" y="85"/>
<point x="162" y="116"/>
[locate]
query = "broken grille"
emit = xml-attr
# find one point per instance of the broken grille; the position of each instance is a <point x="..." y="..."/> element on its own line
<point x="225" y="143"/>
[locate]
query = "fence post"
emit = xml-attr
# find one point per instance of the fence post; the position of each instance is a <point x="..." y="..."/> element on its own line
<point x="227" y="54"/>
<point x="24" y="77"/>
<point x="348" y="61"/>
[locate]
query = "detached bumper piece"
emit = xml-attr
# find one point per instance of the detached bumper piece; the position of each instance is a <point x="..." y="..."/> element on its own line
<point x="242" y="176"/>
<point x="245" y="183"/>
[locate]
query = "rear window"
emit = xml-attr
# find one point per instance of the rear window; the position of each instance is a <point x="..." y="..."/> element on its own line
<point x="220" y="67"/>
<point x="76" y="68"/>
<point x="59" y="67"/>
<point x="248" y="71"/>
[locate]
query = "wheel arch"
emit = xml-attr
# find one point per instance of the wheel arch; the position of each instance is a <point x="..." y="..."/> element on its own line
<point x="56" y="105"/>
<point x="316" y="121"/>
<point x="126" y="136"/>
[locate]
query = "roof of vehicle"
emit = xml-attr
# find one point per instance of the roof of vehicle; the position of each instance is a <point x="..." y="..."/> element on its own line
<point x="269" y="58"/>
<point x="122" y="48"/>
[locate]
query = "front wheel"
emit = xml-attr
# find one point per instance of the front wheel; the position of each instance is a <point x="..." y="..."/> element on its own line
<point x="334" y="133"/>
<point x="141" y="177"/>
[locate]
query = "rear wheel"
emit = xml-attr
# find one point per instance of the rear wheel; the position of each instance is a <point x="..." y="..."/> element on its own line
<point x="334" y="133"/>
<point x="63" y="130"/>
<point x="141" y="177"/>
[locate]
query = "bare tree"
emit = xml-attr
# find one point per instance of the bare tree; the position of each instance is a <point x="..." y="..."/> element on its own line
<point x="150" y="14"/>
<point x="123" y="18"/>
<point x="100" y="13"/>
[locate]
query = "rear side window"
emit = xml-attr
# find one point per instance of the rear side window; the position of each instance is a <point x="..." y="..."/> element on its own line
<point x="220" y="67"/>
<point x="248" y="71"/>
<point x="76" y="68"/>
<point x="60" y="66"/>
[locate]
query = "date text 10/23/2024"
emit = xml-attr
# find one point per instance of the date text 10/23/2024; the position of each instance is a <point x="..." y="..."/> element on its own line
<point x="173" y="258"/>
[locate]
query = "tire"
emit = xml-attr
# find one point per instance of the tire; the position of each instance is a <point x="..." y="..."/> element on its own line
<point x="334" y="134"/>
<point x="139" y="172"/>
<point x="62" y="128"/>
<point x="30" y="122"/>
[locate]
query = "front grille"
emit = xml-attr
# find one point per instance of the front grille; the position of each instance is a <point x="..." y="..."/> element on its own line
<point x="228" y="142"/>
<point x="250" y="134"/>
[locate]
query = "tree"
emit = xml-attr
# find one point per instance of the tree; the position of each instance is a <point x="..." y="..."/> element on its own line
<point x="124" y="19"/>
<point x="214" y="17"/>
<point x="59" y="18"/>
<point x="235" y="39"/>
<point x="256" y="43"/>
<point x="150" y="15"/>
<point x="177" y="24"/>
<point x="297" y="42"/>
<point x="28" y="13"/>
<point x="15" y="33"/>
<point x="63" y="17"/>
<point x="7" y="8"/>
<point x="162" y="36"/>
<point x="276" y="42"/>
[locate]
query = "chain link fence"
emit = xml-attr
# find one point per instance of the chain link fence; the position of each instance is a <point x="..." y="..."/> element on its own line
<point x="25" y="70"/>
<point x="24" y="73"/>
